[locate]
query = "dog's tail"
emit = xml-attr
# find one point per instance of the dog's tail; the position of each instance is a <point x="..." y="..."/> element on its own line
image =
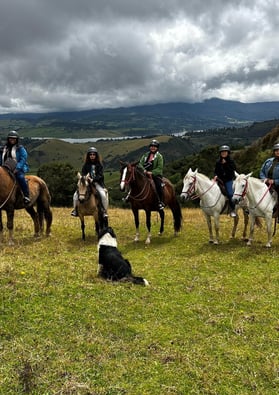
<point x="135" y="280"/>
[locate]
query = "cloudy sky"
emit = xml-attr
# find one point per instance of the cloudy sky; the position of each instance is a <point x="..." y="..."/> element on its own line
<point x="81" y="54"/>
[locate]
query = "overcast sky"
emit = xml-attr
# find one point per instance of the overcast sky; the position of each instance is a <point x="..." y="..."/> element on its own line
<point x="81" y="54"/>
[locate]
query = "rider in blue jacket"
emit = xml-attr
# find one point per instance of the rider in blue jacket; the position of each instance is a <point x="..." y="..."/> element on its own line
<point x="12" y="150"/>
<point x="270" y="169"/>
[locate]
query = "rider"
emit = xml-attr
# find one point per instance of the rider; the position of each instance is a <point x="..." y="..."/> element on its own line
<point x="224" y="170"/>
<point x="152" y="164"/>
<point x="13" y="150"/>
<point x="94" y="167"/>
<point x="270" y="171"/>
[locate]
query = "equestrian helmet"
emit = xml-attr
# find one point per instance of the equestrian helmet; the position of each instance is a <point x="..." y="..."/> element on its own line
<point x="92" y="150"/>
<point x="224" y="148"/>
<point x="154" y="143"/>
<point x="13" y="134"/>
<point x="275" y="147"/>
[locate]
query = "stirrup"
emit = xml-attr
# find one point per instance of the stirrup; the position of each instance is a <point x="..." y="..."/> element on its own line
<point x="26" y="200"/>
<point x="74" y="213"/>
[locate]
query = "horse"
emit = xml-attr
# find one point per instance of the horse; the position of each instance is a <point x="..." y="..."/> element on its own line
<point x="261" y="202"/>
<point x="212" y="202"/>
<point x="88" y="204"/>
<point x="142" y="195"/>
<point x="11" y="199"/>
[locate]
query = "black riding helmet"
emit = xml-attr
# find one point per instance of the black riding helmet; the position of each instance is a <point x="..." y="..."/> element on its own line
<point x="13" y="134"/>
<point x="224" y="148"/>
<point x="155" y="143"/>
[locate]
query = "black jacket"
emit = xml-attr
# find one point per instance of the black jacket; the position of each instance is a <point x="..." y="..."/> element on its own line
<point x="225" y="171"/>
<point x="96" y="172"/>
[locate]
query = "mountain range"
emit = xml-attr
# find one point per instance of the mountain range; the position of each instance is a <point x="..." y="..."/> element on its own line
<point x="164" y="118"/>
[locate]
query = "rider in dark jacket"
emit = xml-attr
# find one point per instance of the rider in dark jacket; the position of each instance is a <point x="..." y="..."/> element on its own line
<point x="224" y="170"/>
<point x="94" y="167"/>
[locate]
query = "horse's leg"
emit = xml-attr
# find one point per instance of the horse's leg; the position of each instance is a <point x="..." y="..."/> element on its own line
<point x="10" y="226"/>
<point x="35" y="217"/>
<point x="251" y="233"/>
<point x="246" y="221"/>
<point x="162" y="217"/>
<point x="235" y="223"/>
<point x="136" y="219"/>
<point x="209" y="226"/>
<point x="148" y="225"/>
<point x="82" y="225"/>
<point x="268" y="220"/>
<point x="1" y="227"/>
<point x="217" y="228"/>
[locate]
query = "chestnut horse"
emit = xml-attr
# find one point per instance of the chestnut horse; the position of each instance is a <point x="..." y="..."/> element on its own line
<point x="11" y="199"/>
<point x="142" y="195"/>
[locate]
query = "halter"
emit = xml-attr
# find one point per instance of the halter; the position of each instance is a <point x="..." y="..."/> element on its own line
<point x="192" y="189"/>
<point x="243" y="194"/>
<point x="87" y="193"/>
<point x="145" y="191"/>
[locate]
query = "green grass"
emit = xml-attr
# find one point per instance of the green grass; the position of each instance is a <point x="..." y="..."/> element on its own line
<point x="207" y="324"/>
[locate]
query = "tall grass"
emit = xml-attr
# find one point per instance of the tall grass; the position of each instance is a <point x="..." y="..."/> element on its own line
<point x="207" y="324"/>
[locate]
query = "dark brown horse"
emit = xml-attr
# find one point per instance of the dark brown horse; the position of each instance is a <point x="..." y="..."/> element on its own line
<point x="11" y="199"/>
<point x="142" y="195"/>
<point x="89" y="204"/>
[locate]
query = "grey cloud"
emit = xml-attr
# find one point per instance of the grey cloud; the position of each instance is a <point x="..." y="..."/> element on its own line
<point x="70" y="54"/>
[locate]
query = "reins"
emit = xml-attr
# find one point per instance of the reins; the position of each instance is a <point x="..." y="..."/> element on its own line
<point x="192" y="189"/>
<point x="243" y="194"/>
<point x="132" y="177"/>
<point x="9" y="195"/>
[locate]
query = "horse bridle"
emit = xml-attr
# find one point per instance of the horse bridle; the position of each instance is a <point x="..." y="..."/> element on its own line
<point x="144" y="193"/>
<point x="192" y="189"/>
<point x="87" y="193"/>
<point x="244" y="192"/>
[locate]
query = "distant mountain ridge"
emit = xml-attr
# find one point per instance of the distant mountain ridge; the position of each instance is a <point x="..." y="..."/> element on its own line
<point x="165" y="117"/>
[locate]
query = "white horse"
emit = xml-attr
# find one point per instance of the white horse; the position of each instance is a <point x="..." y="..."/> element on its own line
<point x="261" y="201"/>
<point x="212" y="202"/>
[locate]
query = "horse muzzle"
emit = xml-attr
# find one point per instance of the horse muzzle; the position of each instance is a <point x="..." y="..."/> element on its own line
<point x="184" y="196"/>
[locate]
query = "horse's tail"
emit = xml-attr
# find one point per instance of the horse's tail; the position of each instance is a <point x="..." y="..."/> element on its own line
<point x="43" y="205"/>
<point x="173" y="203"/>
<point x="177" y="215"/>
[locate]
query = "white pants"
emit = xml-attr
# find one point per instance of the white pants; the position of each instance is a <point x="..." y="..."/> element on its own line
<point x="103" y="192"/>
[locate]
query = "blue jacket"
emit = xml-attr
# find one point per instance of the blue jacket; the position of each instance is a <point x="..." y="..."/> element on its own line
<point x="265" y="168"/>
<point x="20" y="157"/>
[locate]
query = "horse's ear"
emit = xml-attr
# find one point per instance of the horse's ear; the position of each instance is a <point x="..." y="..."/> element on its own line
<point x="249" y="175"/>
<point x="236" y="174"/>
<point x="135" y="163"/>
<point x="196" y="171"/>
<point x="78" y="175"/>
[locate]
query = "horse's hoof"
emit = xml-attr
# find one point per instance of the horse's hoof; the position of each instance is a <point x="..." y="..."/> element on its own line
<point x="147" y="241"/>
<point x="11" y="243"/>
<point x="160" y="233"/>
<point x="216" y="242"/>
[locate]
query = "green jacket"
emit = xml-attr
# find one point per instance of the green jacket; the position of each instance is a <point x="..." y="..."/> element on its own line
<point x="156" y="166"/>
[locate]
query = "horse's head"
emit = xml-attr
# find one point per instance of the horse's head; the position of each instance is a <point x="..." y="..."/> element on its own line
<point x="83" y="185"/>
<point x="240" y="186"/>
<point x="127" y="174"/>
<point x="189" y="184"/>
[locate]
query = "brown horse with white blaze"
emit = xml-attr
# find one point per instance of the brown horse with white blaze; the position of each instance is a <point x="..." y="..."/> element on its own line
<point x="11" y="199"/>
<point x="142" y="195"/>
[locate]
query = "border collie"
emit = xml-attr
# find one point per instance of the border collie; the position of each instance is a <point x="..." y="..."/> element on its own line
<point x="112" y="265"/>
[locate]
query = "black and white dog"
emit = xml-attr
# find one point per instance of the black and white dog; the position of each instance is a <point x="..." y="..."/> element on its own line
<point x="112" y="265"/>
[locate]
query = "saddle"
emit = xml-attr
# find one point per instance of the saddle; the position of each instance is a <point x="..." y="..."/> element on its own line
<point x="221" y="185"/>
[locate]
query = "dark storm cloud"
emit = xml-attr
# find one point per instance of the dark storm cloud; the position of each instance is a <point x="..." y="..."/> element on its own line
<point x="70" y="54"/>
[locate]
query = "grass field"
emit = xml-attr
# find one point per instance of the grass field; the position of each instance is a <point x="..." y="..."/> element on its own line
<point x="207" y="324"/>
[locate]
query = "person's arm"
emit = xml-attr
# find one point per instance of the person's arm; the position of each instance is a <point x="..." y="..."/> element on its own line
<point x="159" y="165"/>
<point x="21" y="158"/>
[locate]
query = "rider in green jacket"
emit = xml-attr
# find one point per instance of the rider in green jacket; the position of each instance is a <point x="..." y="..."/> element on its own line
<point x="152" y="164"/>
